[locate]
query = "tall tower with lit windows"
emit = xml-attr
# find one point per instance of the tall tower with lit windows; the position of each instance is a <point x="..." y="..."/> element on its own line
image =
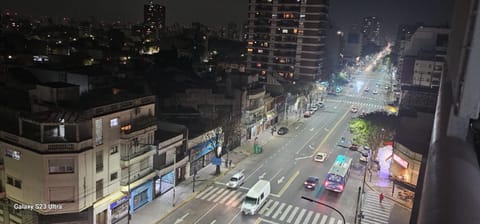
<point x="154" y="16"/>
<point x="287" y="38"/>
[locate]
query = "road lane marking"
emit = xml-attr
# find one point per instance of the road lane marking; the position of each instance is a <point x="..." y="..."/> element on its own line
<point x="324" y="219"/>
<point x="215" y="195"/>
<point x="204" y="192"/>
<point x="262" y="176"/>
<point x="300" y="216"/>
<point x="265" y="207"/>
<point x="276" y="174"/>
<point x="179" y="220"/>
<point x="279" y="211"/>
<point x="279" y="181"/>
<point x="221" y="195"/>
<point x="284" y="188"/>
<point x="309" y="215"/>
<point x="214" y="221"/>
<point x="254" y="171"/>
<point x="206" y="213"/>
<point x="271" y="209"/>
<point x="234" y="198"/>
<point x="226" y="197"/>
<point x="330" y="132"/>
<point x="305" y="157"/>
<point x="260" y="219"/>
<point x="315" y="219"/>
<point x="285" y="212"/>
<point x="234" y="217"/>
<point x="294" y="212"/>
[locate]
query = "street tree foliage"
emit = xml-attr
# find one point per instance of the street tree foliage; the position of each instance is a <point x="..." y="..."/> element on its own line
<point x="341" y="78"/>
<point x="373" y="129"/>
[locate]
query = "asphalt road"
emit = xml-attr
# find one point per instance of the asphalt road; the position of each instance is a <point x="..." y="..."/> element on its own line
<point x="287" y="161"/>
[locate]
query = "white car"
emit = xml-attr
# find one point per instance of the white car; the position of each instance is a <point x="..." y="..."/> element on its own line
<point x="320" y="157"/>
<point x="354" y="109"/>
<point x="236" y="180"/>
<point x="375" y="92"/>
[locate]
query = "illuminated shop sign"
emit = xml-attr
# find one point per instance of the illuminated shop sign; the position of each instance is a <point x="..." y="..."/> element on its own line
<point x="400" y="161"/>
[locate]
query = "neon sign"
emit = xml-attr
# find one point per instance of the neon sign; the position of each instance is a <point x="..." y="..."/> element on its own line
<point x="400" y="161"/>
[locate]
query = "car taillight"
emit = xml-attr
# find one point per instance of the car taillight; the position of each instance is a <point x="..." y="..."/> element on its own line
<point x="341" y="187"/>
<point x="326" y="183"/>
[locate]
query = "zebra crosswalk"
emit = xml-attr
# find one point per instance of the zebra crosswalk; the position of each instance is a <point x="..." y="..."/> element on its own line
<point x="273" y="210"/>
<point x="375" y="212"/>
<point x="372" y="106"/>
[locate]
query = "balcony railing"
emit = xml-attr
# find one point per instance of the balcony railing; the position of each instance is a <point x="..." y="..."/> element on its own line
<point x="134" y="176"/>
<point x="46" y="147"/>
<point x="138" y="124"/>
<point x="142" y="150"/>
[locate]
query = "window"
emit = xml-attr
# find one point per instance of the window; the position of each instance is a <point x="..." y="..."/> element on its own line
<point x="14" y="182"/>
<point x="114" y="149"/>
<point x="56" y="166"/>
<point x="144" y="164"/>
<point x="98" y="132"/>
<point x="113" y="176"/>
<point x="12" y="154"/>
<point x="99" y="189"/>
<point x="99" y="161"/>
<point x="61" y="195"/>
<point x="114" y="122"/>
<point x="18" y="183"/>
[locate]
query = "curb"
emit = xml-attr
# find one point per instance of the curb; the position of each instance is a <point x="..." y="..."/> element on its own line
<point x="182" y="203"/>
<point x="401" y="203"/>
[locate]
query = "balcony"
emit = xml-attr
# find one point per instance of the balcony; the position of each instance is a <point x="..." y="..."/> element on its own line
<point x="136" y="156"/>
<point x="253" y="109"/>
<point x="147" y="122"/>
<point x="147" y="173"/>
<point x="46" y="147"/>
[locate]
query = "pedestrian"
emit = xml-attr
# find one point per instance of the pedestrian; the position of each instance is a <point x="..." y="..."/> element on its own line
<point x="230" y="163"/>
<point x="381" y="197"/>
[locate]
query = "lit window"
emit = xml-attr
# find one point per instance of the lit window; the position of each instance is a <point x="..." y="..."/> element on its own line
<point x="114" y="122"/>
<point x="56" y="166"/>
<point x="259" y="65"/>
<point x="295" y="30"/>
<point x="249" y="49"/>
<point x="284" y="31"/>
<point x="260" y="51"/>
<point x="264" y="72"/>
<point x="126" y="127"/>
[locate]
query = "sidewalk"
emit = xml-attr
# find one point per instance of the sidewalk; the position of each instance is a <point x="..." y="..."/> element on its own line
<point x="165" y="204"/>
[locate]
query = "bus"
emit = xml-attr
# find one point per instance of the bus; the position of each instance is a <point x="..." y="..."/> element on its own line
<point x="338" y="174"/>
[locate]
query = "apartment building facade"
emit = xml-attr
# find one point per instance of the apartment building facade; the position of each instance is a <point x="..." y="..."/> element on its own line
<point x="79" y="165"/>
<point x="286" y="38"/>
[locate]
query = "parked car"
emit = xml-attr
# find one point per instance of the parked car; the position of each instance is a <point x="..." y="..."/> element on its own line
<point x="353" y="147"/>
<point x="307" y="114"/>
<point x="312" y="111"/>
<point x="311" y="182"/>
<point x="320" y="157"/>
<point x="315" y="108"/>
<point x="321" y="105"/>
<point x="375" y="92"/>
<point x="354" y="109"/>
<point x="282" y="131"/>
<point x="366" y="89"/>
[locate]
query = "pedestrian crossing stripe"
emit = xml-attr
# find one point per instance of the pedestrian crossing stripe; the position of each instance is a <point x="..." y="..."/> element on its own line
<point x="375" y="212"/>
<point x="272" y="208"/>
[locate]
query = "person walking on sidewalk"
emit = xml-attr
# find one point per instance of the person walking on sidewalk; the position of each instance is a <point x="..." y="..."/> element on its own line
<point x="381" y="197"/>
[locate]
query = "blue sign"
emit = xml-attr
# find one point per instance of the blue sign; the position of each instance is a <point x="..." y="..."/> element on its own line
<point x="216" y="161"/>
<point x="119" y="202"/>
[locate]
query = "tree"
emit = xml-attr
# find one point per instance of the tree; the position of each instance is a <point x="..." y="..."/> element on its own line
<point x="373" y="129"/>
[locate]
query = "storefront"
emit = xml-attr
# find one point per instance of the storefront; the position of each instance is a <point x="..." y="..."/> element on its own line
<point x="202" y="152"/>
<point x="119" y="210"/>
<point x="141" y="195"/>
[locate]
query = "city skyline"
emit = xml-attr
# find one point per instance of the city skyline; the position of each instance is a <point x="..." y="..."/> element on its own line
<point x="342" y="13"/>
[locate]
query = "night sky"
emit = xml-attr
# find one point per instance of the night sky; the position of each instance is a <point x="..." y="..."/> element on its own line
<point x="220" y="12"/>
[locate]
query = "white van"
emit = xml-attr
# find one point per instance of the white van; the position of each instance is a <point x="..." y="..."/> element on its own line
<point x="256" y="197"/>
<point x="236" y="180"/>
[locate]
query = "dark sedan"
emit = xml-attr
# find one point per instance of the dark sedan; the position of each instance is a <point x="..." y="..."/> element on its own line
<point x="282" y="131"/>
<point x="311" y="182"/>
